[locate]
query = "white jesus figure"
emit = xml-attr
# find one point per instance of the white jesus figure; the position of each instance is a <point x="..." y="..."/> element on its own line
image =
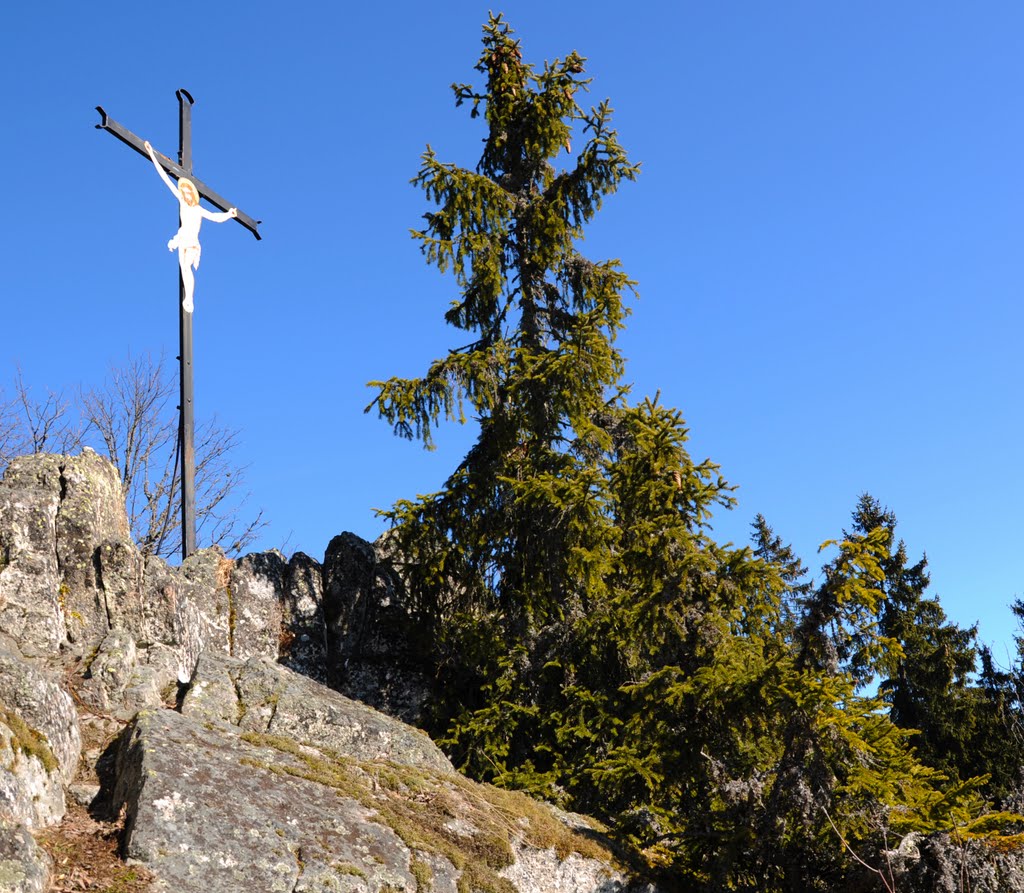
<point x="186" y="239"/>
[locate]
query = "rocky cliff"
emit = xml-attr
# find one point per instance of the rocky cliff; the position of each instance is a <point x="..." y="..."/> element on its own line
<point x="186" y="713"/>
<point x="250" y="726"/>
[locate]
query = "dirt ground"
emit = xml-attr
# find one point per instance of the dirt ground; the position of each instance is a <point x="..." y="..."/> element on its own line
<point x="85" y="856"/>
<point x="84" y="848"/>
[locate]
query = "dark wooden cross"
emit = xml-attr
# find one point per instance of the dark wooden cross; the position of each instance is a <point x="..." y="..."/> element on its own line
<point x="186" y="425"/>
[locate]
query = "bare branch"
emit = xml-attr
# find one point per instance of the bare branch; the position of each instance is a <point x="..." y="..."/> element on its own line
<point x="131" y="418"/>
<point x="47" y="426"/>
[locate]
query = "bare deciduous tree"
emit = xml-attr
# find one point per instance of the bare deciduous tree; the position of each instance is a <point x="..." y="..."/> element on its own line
<point x="132" y="418"/>
<point x="28" y="425"/>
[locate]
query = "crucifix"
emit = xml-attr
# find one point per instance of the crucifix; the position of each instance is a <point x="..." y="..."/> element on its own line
<point x="188" y="191"/>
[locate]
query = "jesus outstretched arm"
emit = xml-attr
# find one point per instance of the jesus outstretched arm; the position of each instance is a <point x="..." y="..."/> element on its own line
<point x="160" y="170"/>
<point x="219" y="216"/>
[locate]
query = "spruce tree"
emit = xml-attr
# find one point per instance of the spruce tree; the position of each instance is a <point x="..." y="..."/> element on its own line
<point x="566" y="582"/>
<point x="519" y="534"/>
<point x="589" y="639"/>
<point x="927" y="681"/>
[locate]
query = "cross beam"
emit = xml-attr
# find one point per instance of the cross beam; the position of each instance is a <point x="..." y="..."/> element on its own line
<point x="130" y="139"/>
<point x="186" y="426"/>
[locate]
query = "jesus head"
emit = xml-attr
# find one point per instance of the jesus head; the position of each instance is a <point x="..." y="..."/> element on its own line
<point x="188" y="192"/>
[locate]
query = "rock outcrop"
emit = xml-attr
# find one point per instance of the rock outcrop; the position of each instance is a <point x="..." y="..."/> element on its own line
<point x="200" y="694"/>
<point x="212" y="809"/>
<point x="244" y="720"/>
<point x="941" y="864"/>
<point x="371" y="637"/>
<point x="258" y="695"/>
<point x="39" y="734"/>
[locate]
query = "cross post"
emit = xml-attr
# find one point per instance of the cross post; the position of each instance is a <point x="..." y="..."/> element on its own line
<point x="186" y="424"/>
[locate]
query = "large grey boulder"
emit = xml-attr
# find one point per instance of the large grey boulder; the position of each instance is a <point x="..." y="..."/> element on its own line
<point x="31" y="790"/>
<point x="257" y="587"/>
<point x="55" y="512"/>
<point x="163" y="618"/>
<point x="210" y="812"/>
<point x="214" y="809"/>
<point x="374" y="640"/>
<point x="31" y="608"/>
<point x="39" y="748"/>
<point x="44" y="706"/>
<point x="259" y="695"/>
<point x="70" y="577"/>
<point x="303" y="640"/>
<point x="70" y="574"/>
<point x="91" y="512"/>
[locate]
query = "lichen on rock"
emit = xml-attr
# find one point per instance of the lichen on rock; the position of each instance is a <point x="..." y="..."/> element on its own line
<point x="292" y="812"/>
<point x="24" y="866"/>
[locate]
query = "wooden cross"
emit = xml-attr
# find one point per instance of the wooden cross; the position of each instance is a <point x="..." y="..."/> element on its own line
<point x="186" y="425"/>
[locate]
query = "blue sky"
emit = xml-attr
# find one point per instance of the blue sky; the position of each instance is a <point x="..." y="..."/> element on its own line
<point x="826" y="236"/>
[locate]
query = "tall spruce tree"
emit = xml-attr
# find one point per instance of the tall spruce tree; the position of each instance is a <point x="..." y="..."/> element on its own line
<point x="519" y="535"/>
<point x="589" y="639"/>
<point x="927" y="682"/>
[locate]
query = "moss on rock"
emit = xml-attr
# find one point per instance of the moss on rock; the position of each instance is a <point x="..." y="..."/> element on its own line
<point x="28" y="741"/>
<point x="474" y="827"/>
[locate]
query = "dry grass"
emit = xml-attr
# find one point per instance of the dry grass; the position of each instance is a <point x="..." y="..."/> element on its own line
<point x="475" y="827"/>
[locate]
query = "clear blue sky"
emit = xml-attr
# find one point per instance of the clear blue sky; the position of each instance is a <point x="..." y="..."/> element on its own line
<point x="826" y="234"/>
